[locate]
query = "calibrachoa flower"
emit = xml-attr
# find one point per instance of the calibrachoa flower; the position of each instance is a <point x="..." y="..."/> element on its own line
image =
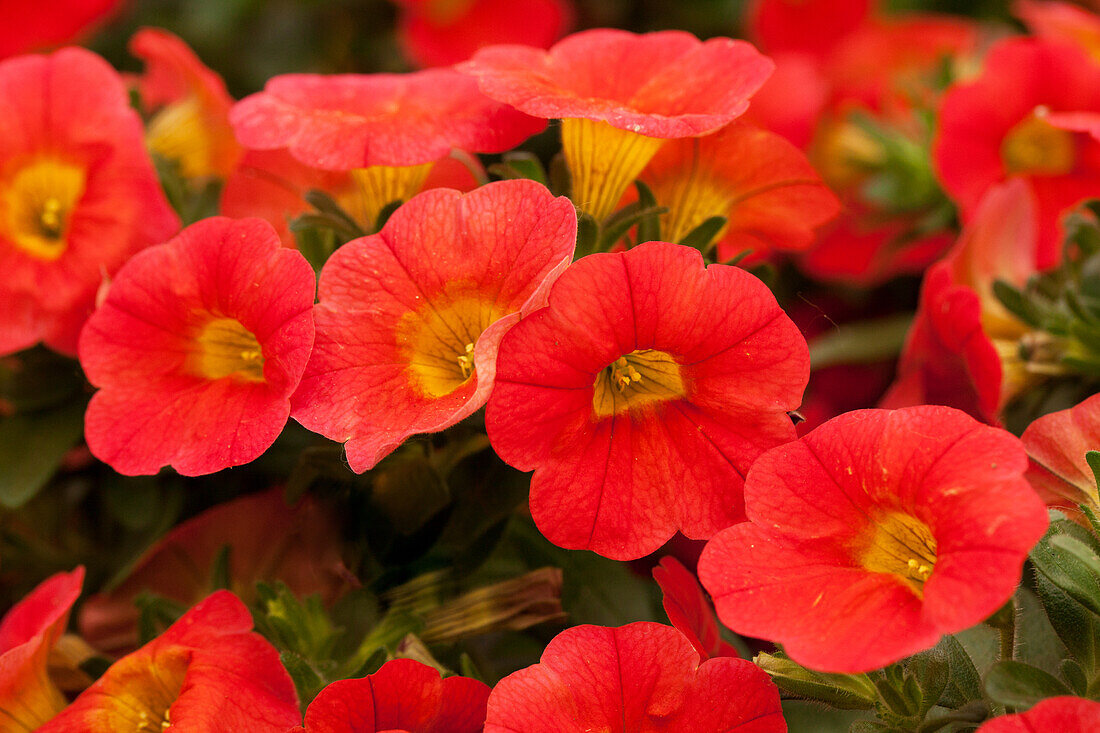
<point x="1062" y="714"/>
<point x="191" y="121"/>
<point x="77" y="191"/>
<point x="207" y="672"/>
<point x="642" y="394"/>
<point x="771" y="195"/>
<point x="1057" y="444"/>
<point x="638" y="678"/>
<point x="27" y="634"/>
<point x="874" y="535"/>
<point x="443" y="32"/>
<point x="404" y="695"/>
<point x="962" y="349"/>
<point x="196" y="350"/>
<point x="265" y="539"/>
<point x="409" y="319"/>
<point x="389" y="128"/>
<point x="987" y="135"/>
<point x="689" y="610"/>
<point x="620" y="94"/>
<point x="28" y="25"/>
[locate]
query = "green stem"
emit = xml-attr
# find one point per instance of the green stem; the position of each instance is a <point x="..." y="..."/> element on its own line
<point x="1007" y="632"/>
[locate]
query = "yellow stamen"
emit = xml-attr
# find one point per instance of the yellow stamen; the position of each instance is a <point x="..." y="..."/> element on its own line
<point x="1036" y="147"/>
<point x="900" y="544"/>
<point x="378" y="186"/>
<point x="603" y="160"/>
<point x="466" y="361"/>
<point x="228" y="349"/>
<point x="636" y="380"/>
<point x="37" y="202"/>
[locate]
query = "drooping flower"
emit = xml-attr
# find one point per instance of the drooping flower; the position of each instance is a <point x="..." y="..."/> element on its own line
<point x="620" y="94"/>
<point x="962" y="349"/>
<point x="27" y="634"/>
<point x="641" y="395"/>
<point x="389" y="128"/>
<point x="265" y="540"/>
<point x="689" y="611"/>
<point x="78" y="194"/>
<point x="404" y="695"/>
<point x="764" y="186"/>
<point x="987" y="134"/>
<point x="638" y="678"/>
<point x="445" y="32"/>
<point x="190" y="106"/>
<point x="1063" y="714"/>
<point x="208" y="671"/>
<point x="1057" y="444"/>
<point x="409" y="319"/>
<point x="29" y="25"/>
<point x="196" y="350"/>
<point x="874" y="535"/>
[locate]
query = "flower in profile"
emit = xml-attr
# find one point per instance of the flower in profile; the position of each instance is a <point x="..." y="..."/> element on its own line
<point x="29" y="25"/>
<point x="388" y="128"/>
<point x="27" y="634"/>
<point x="404" y="695"/>
<point x="1057" y="444"/>
<point x="264" y="538"/>
<point x="207" y="671"/>
<point x="875" y="534"/>
<point x="641" y="395"/>
<point x="196" y="350"/>
<point x="1063" y="714"/>
<point x="770" y="194"/>
<point x="443" y="32"/>
<point x="619" y="95"/>
<point x="409" y="319"/>
<point x="189" y="106"/>
<point x="986" y="136"/>
<point x="642" y="678"/>
<point x="963" y="347"/>
<point x="689" y="611"/>
<point x="78" y="193"/>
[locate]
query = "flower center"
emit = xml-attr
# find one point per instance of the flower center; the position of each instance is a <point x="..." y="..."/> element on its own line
<point x="439" y="341"/>
<point x="635" y="380"/>
<point x="603" y="160"/>
<point x="901" y="545"/>
<point x="1036" y="147"/>
<point x="376" y="187"/>
<point x="149" y="687"/>
<point x="39" y="199"/>
<point x="228" y="349"/>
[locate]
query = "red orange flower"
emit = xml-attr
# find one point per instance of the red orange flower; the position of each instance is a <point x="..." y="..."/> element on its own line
<point x="196" y="350"/>
<point x="78" y="194"/>
<point x="207" y="671"/>
<point x="191" y="121"/>
<point x="1062" y="714"/>
<point x="874" y="535"/>
<point x="404" y="695"/>
<point x="27" y="633"/>
<point x="409" y="319"/>
<point x="444" y="32"/>
<point x="1057" y="444"/>
<point x="988" y="134"/>
<point x="29" y="25"/>
<point x="639" y="678"/>
<point x="689" y="611"/>
<point x="642" y="394"/>
<point x="619" y="94"/>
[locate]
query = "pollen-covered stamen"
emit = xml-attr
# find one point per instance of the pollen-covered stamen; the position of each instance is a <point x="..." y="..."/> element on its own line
<point x="225" y="348"/>
<point x="151" y="687"/>
<point x="1036" y="147"/>
<point x="466" y="360"/>
<point x="38" y="200"/>
<point x="901" y="545"/>
<point x="637" y="379"/>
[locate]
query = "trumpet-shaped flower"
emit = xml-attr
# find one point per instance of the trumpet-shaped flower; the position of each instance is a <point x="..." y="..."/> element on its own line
<point x="875" y="534"/>
<point x="197" y="348"/>
<point x="641" y="395"/>
<point x="409" y="319"/>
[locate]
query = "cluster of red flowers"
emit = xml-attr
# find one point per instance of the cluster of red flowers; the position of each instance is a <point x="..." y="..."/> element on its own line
<point x="649" y="386"/>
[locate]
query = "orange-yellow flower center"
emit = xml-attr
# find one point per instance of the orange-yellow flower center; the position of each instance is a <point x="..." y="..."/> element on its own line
<point x="438" y="341"/>
<point x="1036" y="147"/>
<point x="225" y="348"/>
<point x="902" y="545"/>
<point x="38" y="200"/>
<point x="636" y="380"/>
<point x="376" y="187"/>
<point x="603" y="161"/>
<point x="144" y="690"/>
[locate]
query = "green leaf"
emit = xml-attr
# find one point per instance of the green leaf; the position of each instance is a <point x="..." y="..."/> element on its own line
<point x="617" y="225"/>
<point x="649" y="229"/>
<point x="406" y="488"/>
<point x="965" y="684"/>
<point x="931" y="673"/>
<point x="1093" y="458"/>
<point x="32" y="445"/>
<point x="1018" y="304"/>
<point x="1078" y="628"/>
<point x="1020" y="685"/>
<point x="861" y="342"/>
<point x="1064" y="569"/>
<point x="520" y="164"/>
<point x="702" y="236"/>
<point x="1075" y="676"/>
<point x="841" y="691"/>
<point x="588" y="235"/>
